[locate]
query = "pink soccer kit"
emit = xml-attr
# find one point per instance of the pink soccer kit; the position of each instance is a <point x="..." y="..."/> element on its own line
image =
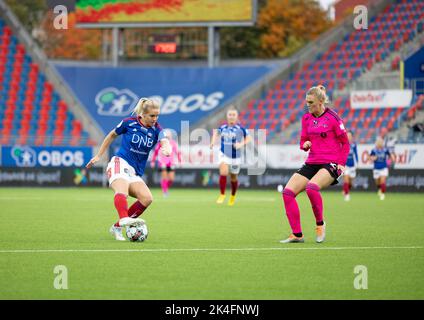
<point x="167" y="161"/>
<point x="328" y="137"/>
<point x="329" y="144"/>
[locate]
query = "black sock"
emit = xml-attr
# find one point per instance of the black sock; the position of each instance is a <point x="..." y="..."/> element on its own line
<point x="320" y="223"/>
<point x="299" y="235"/>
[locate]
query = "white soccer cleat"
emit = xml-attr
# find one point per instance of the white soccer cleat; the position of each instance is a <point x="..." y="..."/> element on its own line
<point x="347" y="197"/>
<point x="320" y="233"/>
<point x="125" y="222"/>
<point x="293" y="239"/>
<point x="117" y="233"/>
<point x="382" y="196"/>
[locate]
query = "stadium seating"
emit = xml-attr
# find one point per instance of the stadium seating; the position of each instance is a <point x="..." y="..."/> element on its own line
<point x="31" y="112"/>
<point x="342" y="63"/>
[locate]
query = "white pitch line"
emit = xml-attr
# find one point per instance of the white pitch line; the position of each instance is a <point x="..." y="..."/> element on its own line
<point x="162" y="201"/>
<point x="205" y="249"/>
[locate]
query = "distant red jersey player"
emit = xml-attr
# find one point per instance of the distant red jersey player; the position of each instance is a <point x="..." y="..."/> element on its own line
<point x="324" y="137"/>
<point x="234" y="137"/>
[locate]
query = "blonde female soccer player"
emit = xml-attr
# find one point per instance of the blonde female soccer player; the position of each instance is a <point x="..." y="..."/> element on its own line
<point x="324" y="137"/>
<point x="125" y="169"/>
<point x="233" y="138"/>
<point x="380" y="156"/>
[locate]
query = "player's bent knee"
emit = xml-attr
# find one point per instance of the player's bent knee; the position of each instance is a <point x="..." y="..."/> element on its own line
<point x="312" y="186"/>
<point x="288" y="193"/>
<point x="146" y="200"/>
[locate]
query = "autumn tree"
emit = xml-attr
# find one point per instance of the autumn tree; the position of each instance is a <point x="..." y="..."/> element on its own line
<point x="29" y="12"/>
<point x="71" y="43"/>
<point x="283" y="27"/>
<point x="286" y="25"/>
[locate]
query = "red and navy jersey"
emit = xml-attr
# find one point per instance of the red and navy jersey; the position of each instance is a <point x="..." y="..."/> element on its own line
<point x="137" y="142"/>
<point x="352" y="158"/>
<point x="382" y="156"/>
<point x="230" y="135"/>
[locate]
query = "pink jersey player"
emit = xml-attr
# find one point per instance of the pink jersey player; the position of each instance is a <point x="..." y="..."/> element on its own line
<point x="327" y="136"/>
<point x="166" y="164"/>
<point x="324" y="137"/>
<point x="167" y="161"/>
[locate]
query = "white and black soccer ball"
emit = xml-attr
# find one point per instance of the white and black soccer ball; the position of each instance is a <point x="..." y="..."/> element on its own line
<point x="137" y="233"/>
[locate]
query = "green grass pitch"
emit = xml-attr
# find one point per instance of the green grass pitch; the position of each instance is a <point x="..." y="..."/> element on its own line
<point x="199" y="250"/>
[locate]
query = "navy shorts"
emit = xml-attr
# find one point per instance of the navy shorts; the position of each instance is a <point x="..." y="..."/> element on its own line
<point x="309" y="170"/>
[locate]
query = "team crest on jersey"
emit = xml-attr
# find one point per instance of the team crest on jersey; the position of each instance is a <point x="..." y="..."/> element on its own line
<point x="315" y="122"/>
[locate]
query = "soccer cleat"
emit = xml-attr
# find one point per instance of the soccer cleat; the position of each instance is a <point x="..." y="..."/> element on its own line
<point x="232" y="200"/>
<point x="347" y="197"/>
<point x="293" y="239"/>
<point x="117" y="233"/>
<point x="320" y="232"/>
<point x="125" y="222"/>
<point x="382" y="196"/>
<point x="220" y="199"/>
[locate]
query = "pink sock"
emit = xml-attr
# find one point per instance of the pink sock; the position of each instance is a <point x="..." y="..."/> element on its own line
<point x="312" y="190"/>
<point x="170" y="183"/>
<point x="136" y="209"/>
<point x="292" y="210"/>
<point x="164" y="185"/>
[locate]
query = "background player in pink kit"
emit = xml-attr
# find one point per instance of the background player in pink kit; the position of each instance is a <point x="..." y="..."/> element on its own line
<point x="324" y="137"/>
<point x="139" y="136"/>
<point x="166" y="164"/>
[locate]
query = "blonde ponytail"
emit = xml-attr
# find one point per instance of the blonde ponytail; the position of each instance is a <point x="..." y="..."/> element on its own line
<point x="144" y="105"/>
<point x="320" y="92"/>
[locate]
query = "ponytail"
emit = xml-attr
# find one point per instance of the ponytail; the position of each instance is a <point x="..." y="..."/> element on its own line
<point x="144" y="105"/>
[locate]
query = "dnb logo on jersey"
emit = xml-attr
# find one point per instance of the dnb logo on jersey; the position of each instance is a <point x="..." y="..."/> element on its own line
<point x="24" y="156"/>
<point x="113" y="102"/>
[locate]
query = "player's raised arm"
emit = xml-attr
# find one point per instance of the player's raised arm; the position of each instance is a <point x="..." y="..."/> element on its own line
<point x="344" y="145"/>
<point x="165" y="145"/>
<point x="104" y="146"/>
<point x="214" y="137"/>
<point x="305" y="143"/>
<point x="155" y="155"/>
<point x="247" y="138"/>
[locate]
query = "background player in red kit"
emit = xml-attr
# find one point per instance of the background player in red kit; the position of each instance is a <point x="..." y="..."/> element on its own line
<point x="324" y="137"/>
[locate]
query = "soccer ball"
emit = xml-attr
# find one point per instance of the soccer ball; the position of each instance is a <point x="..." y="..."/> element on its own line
<point x="137" y="233"/>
